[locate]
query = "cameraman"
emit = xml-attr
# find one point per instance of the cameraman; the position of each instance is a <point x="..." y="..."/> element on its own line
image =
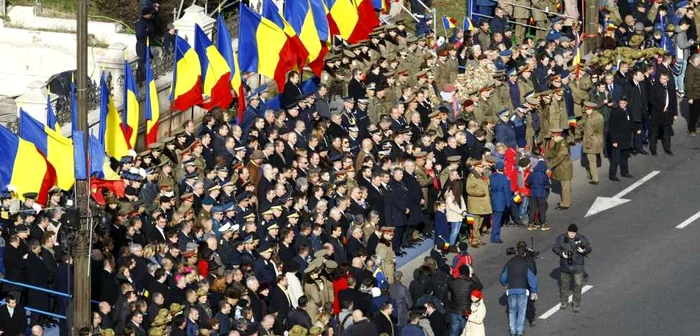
<point x="572" y="248"/>
<point x="519" y="276"/>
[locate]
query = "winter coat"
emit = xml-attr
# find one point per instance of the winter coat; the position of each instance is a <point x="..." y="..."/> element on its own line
<point x="692" y="82"/>
<point x="564" y="244"/>
<point x="318" y="296"/>
<point x="388" y="258"/>
<point x="455" y="207"/>
<point x="397" y="203"/>
<point x="501" y="195"/>
<point x="511" y="169"/>
<point x="404" y="302"/>
<point x="620" y="128"/>
<point x="478" y="199"/>
<point x="475" y="322"/>
<point x="442" y="229"/>
<point x="413" y="330"/>
<point x="559" y="161"/>
<point x="460" y="294"/>
<point x="538" y="182"/>
<point x="593" y="138"/>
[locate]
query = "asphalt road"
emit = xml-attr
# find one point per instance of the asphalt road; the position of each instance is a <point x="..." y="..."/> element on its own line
<point x="643" y="270"/>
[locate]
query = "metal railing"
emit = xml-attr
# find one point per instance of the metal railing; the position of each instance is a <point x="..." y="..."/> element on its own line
<point x="541" y="10"/>
<point x="513" y="22"/>
<point x="40" y="289"/>
<point x="433" y="11"/>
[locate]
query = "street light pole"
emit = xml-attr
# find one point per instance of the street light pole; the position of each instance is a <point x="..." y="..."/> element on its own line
<point x="81" y="254"/>
<point x="591" y="40"/>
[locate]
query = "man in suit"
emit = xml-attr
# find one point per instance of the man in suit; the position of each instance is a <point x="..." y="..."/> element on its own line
<point x="279" y="298"/>
<point x="291" y="89"/>
<point x="356" y="89"/>
<point x="361" y="326"/>
<point x="397" y="206"/>
<point x="663" y="113"/>
<point x="437" y="320"/>
<point x="637" y="107"/>
<point x="158" y="234"/>
<point x="621" y="128"/>
<point x="13" y="318"/>
<point x="383" y="319"/>
<point x="399" y="293"/>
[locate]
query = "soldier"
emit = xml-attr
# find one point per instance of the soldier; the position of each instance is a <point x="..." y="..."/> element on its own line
<point x="559" y="161"/>
<point x="541" y="10"/>
<point x="372" y="103"/>
<point x="521" y="15"/>
<point x="525" y="81"/>
<point x="452" y="63"/>
<point x="592" y="125"/>
<point x="485" y="107"/>
<point x="478" y="199"/>
<point x="441" y="70"/>
<point x="557" y="111"/>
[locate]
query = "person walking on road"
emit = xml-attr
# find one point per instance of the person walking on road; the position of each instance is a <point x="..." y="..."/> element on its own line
<point x="519" y="277"/>
<point x="476" y="316"/>
<point x="572" y="249"/>
<point x="692" y="92"/>
<point x="559" y="161"/>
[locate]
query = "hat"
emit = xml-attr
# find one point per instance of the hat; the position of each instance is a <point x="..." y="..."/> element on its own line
<point x="257" y="155"/>
<point x="499" y="165"/>
<point x="315" y="331"/>
<point x="454" y="159"/>
<point x="30" y="195"/>
<point x="572" y="228"/>
<point x="532" y="100"/>
<point x="506" y="53"/>
<point x="176" y="308"/>
<point x="419" y="154"/>
<point x="503" y="112"/>
<point x="273" y="226"/>
<point x="265" y="247"/>
<point x="450" y="88"/>
<point x="589" y="104"/>
<point x="387" y="229"/>
<point x="477" y="294"/>
<point x="556" y="130"/>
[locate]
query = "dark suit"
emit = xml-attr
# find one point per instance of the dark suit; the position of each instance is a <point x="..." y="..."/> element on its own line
<point x="15" y="325"/>
<point x="362" y="328"/>
<point x="291" y="92"/>
<point x="437" y="323"/>
<point x="356" y="89"/>
<point x="280" y="302"/>
<point x="638" y="110"/>
<point x="397" y="204"/>
<point x="354" y="247"/>
<point x="376" y="199"/>
<point x="384" y="324"/>
<point x="620" y="129"/>
<point x="361" y="301"/>
<point x="663" y="109"/>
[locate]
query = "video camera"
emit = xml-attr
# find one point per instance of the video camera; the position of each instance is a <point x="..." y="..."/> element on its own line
<point x="528" y="250"/>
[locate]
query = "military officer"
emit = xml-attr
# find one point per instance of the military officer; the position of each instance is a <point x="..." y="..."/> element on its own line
<point x="592" y="124"/>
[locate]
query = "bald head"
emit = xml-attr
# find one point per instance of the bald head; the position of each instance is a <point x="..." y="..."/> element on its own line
<point x="357" y="262"/>
<point x="357" y="315"/>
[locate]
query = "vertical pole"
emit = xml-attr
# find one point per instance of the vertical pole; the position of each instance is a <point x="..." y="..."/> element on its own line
<point x="591" y="37"/>
<point x="81" y="292"/>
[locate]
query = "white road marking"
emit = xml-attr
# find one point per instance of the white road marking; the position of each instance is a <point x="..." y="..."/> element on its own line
<point x="688" y="221"/>
<point x="604" y="203"/>
<point x="555" y="309"/>
<point x="635" y="185"/>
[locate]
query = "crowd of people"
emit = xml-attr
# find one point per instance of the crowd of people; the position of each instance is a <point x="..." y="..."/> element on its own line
<point x="291" y="220"/>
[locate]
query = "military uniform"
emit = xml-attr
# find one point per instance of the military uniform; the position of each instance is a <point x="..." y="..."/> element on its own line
<point x="593" y="140"/>
<point x="559" y="161"/>
<point x="521" y="15"/>
<point x="540" y="17"/>
<point x="478" y="203"/>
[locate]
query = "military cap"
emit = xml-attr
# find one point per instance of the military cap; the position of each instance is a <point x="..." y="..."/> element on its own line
<point x="156" y="146"/>
<point x="503" y="112"/>
<point x="348" y="54"/>
<point x="590" y="104"/>
<point x="214" y="187"/>
<point x="248" y="239"/>
<point x="159" y="321"/>
<point x="556" y="77"/>
<point x="420" y="154"/>
<point x="5" y="195"/>
<point x="107" y="332"/>
<point x="298" y="330"/>
<point x="126" y="159"/>
<point x="467" y="103"/>
<point x="208" y="201"/>
<point x="558" y="91"/>
<point x="176" y="308"/>
<point x="564" y="39"/>
<point x="454" y="159"/>
<point x="242" y="196"/>
<point x="330" y="264"/>
<point x="490" y="159"/>
<point x="315" y="331"/>
<point x="157" y="331"/>
<point x="293" y="214"/>
<point x="23" y="227"/>
<point x="435" y="114"/>
<point x="189" y="254"/>
<point x="266" y="211"/>
<point x="545" y="93"/>
<point x="363" y="100"/>
<point x="411" y="39"/>
<point x="252" y="97"/>
<point x="512" y="72"/>
<point x="388" y="229"/>
<point x="532" y="100"/>
<point x="556" y="130"/>
<point x="422" y="73"/>
<point x="265" y="247"/>
<point x="249" y="216"/>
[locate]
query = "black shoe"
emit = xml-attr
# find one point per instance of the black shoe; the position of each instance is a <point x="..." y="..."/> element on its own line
<point x="634" y="152"/>
<point x="670" y="153"/>
<point x="627" y="175"/>
<point x="559" y="207"/>
<point x="500" y="241"/>
<point x="533" y="323"/>
<point x="593" y="182"/>
<point x="643" y="152"/>
<point x="654" y="153"/>
<point x="613" y="178"/>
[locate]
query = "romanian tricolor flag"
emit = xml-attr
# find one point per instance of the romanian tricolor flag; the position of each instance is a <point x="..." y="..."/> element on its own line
<point x="342" y="18"/>
<point x="186" y="90"/>
<point x="381" y="5"/>
<point x="517" y="199"/>
<point x="320" y="14"/>
<point x="572" y="121"/>
<point x="467" y="26"/>
<point x="23" y="168"/>
<point x="299" y="14"/>
<point x="470" y="219"/>
<point x="367" y="20"/>
<point x="448" y="23"/>
<point x="272" y="13"/>
<point x="216" y="74"/>
<point x="264" y="47"/>
<point x="130" y="114"/>
<point x="51" y="120"/>
<point x="223" y="44"/>
<point x="111" y="128"/>
<point x="57" y="149"/>
<point x="80" y="166"/>
<point x="152" y="107"/>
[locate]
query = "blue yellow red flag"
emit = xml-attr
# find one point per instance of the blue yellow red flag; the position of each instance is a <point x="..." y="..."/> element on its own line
<point x="152" y="116"/>
<point x="51" y="120"/>
<point x="186" y="90"/>
<point x="299" y="14"/>
<point x="216" y="74"/>
<point x="448" y="23"/>
<point x="223" y="44"/>
<point x="130" y="113"/>
<point x="264" y="47"/>
<point x="57" y="149"/>
<point x="111" y="127"/>
<point x="271" y="12"/>
<point x="367" y="20"/>
<point x="23" y="168"/>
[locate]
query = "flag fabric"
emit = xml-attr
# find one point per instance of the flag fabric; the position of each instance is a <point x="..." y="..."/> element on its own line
<point x="152" y="116"/>
<point x="343" y="18"/>
<point x="381" y="5"/>
<point x="186" y="90"/>
<point x="319" y="11"/>
<point x="223" y="44"/>
<point x="367" y="20"/>
<point x="298" y="13"/>
<point x="216" y="73"/>
<point x="271" y="12"/>
<point x="448" y="23"/>
<point x="23" y="168"/>
<point x="79" y="165"/>
<point x="264" y="47"/>
<point x="470" y="219"/>
<point x="130" y="112"/>
<point x="56" y="148"/>
<point x="111" y="134"/>
<point x="51" y="120"/>
<point x="467" y="25"/>
<point x="99" y="165"/>
<point x="97" y="187"/>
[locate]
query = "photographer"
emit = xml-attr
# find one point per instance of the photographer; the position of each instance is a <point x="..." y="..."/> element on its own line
<point x="572" y="248"/>
<point x="520" y="278"/>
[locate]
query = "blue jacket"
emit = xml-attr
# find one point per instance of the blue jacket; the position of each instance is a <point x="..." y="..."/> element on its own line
<point x="498" y="24"/>
<point x="538" y="182"/>
<point x="514" y="91"/>
<point x="512" y="275"/>
<point x="501" y="195"/>
<point x="520" y="128"/>
<point x="412" y="330"/>
<point x="442" y="229"/>
<point x="505" y="134"/>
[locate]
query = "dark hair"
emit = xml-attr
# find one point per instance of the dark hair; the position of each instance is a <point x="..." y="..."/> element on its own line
<point x="303" y="301"/>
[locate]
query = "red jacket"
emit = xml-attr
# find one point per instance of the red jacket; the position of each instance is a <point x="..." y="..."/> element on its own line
<point x="525" y="190"/>
<point x="511" y="168"/>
